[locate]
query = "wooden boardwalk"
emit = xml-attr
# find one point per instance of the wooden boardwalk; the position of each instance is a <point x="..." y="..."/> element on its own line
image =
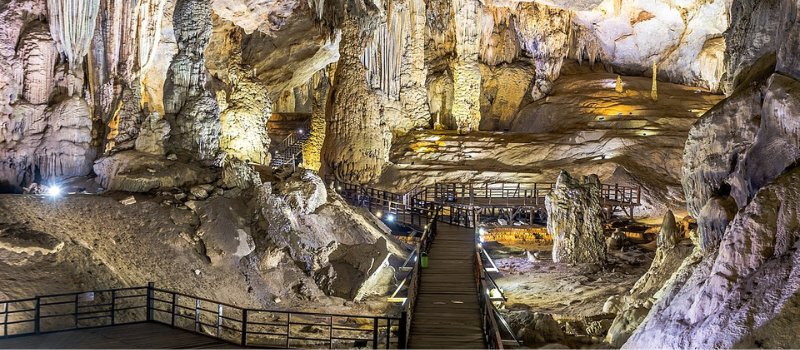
<point x="447" y="313"/>
<point x="148" y="335"/>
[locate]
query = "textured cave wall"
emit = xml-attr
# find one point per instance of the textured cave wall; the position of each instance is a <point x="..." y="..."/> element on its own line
<point x="739" y="288"/>
<point x="45" y="123"/>
<point x="191" y="109"/>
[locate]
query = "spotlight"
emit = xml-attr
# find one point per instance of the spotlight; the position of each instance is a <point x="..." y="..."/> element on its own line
<point x="379" y="214"/>
<point x="54" y="191"/>
<point x="390" y="217"/>
<point x="300" y="131"/>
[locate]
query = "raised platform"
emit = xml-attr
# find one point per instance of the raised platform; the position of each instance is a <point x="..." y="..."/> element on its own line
<point x="146" y="335"/>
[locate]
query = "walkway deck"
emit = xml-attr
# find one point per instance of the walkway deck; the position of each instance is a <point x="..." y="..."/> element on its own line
<point x="447" y="313"/>
<point x="148" y="335"/>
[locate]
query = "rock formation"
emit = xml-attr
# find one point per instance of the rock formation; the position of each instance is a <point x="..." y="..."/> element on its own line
<point x="740" y="288"/>
<point x="635" y="305"/>
<point x="191" y="109"/>
<point x="574" y="221"/>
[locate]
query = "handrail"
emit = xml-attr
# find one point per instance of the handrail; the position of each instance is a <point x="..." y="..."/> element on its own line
<point x="224" y="321"/>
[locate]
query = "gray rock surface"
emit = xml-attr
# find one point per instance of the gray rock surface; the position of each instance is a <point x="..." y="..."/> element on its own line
<point x="574" y="221"/>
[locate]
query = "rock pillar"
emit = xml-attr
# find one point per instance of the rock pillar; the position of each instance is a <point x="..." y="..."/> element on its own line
<point x="574" y="220"/>
<point x="465" y="65"/>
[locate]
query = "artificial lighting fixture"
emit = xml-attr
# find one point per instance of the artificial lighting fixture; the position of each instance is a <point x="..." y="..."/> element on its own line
<point x="390" y="217"/>
<point x="54" y="190"/>
<point x="300" y="131"/>
<point x="379" y="214"/>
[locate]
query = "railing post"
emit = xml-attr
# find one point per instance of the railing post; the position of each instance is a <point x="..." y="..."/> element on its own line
<point x="75" y="310"/>
<point x="244" y="327"/>
<point x="172" y="312"/>
<point x="150" y="300"/>
<point x="36" y="316"/>
<point x="375" y="333"/>
<point x="288" y="328"/>
<point x="113" y="307"/>
<point x="402" y="337"/>
<point x="219" y="319"/>
<point x="5" y="320"/>
<point x="197" y="315"/>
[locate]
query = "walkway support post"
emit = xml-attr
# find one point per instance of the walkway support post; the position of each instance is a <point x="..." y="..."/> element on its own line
<point x="402" y="332"/>
<point x="244" y="327"/>
<point x="150" y="299"/>
<point x="36" y="317"/>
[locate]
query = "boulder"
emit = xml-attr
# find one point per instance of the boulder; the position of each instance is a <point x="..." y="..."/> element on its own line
<point x="574" y="221"/>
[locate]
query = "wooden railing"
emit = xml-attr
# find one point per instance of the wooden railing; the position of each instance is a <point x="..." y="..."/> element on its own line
<point x="230" y="323"/>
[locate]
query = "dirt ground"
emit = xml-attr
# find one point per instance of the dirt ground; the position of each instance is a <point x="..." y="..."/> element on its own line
<point x="563" y="290"/>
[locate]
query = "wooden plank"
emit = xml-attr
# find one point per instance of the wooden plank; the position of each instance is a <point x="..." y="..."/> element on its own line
<point x="141" y="335"/>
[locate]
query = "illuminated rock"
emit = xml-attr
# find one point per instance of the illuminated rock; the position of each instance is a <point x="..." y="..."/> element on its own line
<point x="574" y="221"/>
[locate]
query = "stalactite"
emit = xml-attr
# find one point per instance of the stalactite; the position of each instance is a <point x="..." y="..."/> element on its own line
<point x="72" y="24"/>
<point x="654" y="90"/>
<point x="382" y="56"/>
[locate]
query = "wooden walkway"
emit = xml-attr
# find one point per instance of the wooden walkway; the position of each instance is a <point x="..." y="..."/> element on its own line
<point x="148" y="335"/>
<point x="447" y="313"/>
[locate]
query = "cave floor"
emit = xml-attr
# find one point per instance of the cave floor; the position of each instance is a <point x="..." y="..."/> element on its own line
<point x="565" y="291"/>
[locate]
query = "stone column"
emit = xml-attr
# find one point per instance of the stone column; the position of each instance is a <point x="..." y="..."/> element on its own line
<point x="191" y="109"/>
<point x="465" y="66"/>
<point x="357" y="140"/>
<point x="414" y="72"/>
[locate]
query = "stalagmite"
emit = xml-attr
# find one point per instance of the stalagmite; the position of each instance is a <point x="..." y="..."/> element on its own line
<point x="619" y="87"/>
<point x="574" y="221"/>
<point x="465" y="67"/>
<point x="357" y="139"/>
<point x="72" y="25"/>
<point x="654" y="90"/>
<point x="243" y="123"/>
<point x="312" y="149"/>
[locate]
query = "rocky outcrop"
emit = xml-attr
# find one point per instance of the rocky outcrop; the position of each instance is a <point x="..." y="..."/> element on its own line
<point x="737" y="294"/>
<point x="132" y="171"/>
<point x="574" y="221"/>
<point x="635" y="305"/>
<point x="345" y="253"/>
<point x="741" y="288"/>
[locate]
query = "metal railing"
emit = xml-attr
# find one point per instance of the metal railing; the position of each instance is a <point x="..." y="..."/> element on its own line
<point x="290" y="149"/>
<point x="230" y="323"/>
